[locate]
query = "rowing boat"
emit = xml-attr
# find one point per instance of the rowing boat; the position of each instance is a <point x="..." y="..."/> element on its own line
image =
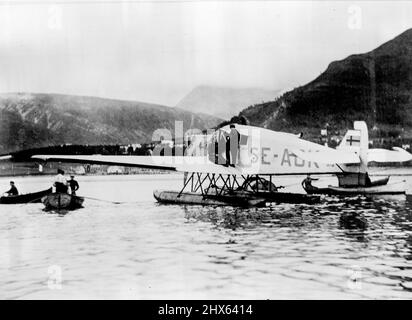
<point x="390" y="189"/>
<point x="25" y="198"/>
<point x="62" y="201"/>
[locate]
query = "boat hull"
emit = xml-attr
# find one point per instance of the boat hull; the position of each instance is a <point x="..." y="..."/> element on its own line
<point x="34" y="197"/>
<point x="175" y="197"/>
<point x="59" y="201"/>
<point x="238" y="198"/>
<point x="388" y="189"/>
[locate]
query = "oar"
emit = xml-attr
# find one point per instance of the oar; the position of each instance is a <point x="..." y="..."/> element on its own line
<point x="91" y="198"/>
<point x="114" y="202"/>
<point x="39" y="198"/>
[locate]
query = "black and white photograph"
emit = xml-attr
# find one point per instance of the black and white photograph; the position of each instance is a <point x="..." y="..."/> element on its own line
<point x="205" y="150"/>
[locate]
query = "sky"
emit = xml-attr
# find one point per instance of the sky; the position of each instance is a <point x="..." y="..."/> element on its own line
<point x="157" y="51"/>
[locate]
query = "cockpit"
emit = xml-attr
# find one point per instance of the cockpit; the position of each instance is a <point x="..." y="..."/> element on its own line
<point x="223" y="146"/>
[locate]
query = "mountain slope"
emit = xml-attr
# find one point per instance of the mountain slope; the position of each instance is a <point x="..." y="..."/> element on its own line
<point x="224" y="102"/>
<point x="35" y="120"/>
<point x="374" y="86"/>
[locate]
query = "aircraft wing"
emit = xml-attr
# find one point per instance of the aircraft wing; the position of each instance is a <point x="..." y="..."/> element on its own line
<point x="198" y="164"/>
<point x="328" y="156"/>
<point x="383" y="155"/>
<point x="133" y="161"/>
<point x="8" y="157"/>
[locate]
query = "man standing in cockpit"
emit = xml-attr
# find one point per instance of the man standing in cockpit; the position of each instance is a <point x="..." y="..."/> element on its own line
<point x="232" y="146"/>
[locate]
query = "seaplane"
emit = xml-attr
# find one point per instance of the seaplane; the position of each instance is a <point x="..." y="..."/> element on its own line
<point x="220" y="171"/>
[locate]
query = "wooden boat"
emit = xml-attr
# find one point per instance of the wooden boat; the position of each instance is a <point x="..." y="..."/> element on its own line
<point x="315" y="190"/>
<point x="391" y="188"/>
<point x="59" y="201"/>
<point x="25" y="198"/>
<point x="176" y="197"/>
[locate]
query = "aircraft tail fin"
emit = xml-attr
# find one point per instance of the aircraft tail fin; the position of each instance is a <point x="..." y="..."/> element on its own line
<point x="357" y="140"/>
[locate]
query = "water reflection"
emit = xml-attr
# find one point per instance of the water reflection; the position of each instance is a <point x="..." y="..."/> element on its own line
<point x="353" y="221"/>
<point x="382" y="224"/>
<point x="234" y="218"/>
<point x="342" y="248"/>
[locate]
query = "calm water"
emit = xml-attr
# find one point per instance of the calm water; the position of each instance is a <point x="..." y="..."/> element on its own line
<point x="340" y="249"/>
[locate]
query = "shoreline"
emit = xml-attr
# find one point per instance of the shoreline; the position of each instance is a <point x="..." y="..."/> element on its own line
<point x="163" y="172"/>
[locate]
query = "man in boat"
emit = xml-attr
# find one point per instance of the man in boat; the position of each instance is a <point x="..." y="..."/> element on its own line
<point x="60" y="182"/>
<point x="232" y="146"/>
<point x="13" y="190"/>
<point x="73" y="184"/>
<point x="307" y="183"/>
